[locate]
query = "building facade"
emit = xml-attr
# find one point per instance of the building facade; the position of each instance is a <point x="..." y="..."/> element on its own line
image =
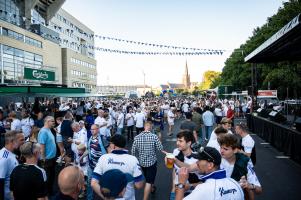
<point x="23" y="51"/>
<point x="78" y="54"/>
<point x="108" y="90"/>
<point x="42" y="43"/>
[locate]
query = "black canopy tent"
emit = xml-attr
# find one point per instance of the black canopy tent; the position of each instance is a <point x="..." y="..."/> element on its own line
<point x="285" y="45"/>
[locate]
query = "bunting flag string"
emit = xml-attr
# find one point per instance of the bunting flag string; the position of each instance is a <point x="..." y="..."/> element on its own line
<point x="157" y="53"/>
<point x="153" y="45"/>
<point x="71" y="32"/>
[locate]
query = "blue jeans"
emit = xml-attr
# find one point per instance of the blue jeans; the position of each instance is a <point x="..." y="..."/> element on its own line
<point x="90" y="194"/>
<point x="208" y="131"/>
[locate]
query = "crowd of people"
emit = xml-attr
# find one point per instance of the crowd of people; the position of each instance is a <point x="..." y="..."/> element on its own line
<point x="89" y="140"/>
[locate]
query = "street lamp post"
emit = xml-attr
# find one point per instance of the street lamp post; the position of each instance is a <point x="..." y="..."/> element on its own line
<point x="143" y="81"/>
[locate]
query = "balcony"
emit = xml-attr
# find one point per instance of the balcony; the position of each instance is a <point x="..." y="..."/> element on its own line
<point x="45" y="33"/>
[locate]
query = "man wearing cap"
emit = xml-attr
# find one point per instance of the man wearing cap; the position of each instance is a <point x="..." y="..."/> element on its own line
<point x="215" y="184"/>
<point x="113" y="184"/>
<point x="121" y="160"/>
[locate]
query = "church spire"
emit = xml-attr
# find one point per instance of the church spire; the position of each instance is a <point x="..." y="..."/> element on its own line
<point x="186" y="69"/>
<point x="186" y="77"/>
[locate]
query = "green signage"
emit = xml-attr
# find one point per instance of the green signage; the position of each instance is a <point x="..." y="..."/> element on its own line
<point x="36" y="74"/>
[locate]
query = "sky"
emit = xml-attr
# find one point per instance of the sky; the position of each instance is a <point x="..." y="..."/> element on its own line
<point x="211" y="24"/>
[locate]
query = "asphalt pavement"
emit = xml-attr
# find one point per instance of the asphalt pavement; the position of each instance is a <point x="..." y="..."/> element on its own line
<point x="279" y="176"/>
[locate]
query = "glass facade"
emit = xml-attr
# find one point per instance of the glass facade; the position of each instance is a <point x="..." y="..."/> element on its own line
<point x="36" y="18"/>
<point x="11" y="11"/>
<point x="21" y="37"/>
<point x="14" y="61"/>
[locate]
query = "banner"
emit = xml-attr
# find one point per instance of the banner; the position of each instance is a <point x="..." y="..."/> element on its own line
<point x="36" y="74"/>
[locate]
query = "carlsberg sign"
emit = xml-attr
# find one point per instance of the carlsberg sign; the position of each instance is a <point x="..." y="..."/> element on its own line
<point x="36" y="74"/>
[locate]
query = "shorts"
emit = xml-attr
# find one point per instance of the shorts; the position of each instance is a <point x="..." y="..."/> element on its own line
<point x="150" y="173"/>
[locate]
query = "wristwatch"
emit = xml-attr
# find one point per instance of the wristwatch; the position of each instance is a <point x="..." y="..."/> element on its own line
<point x="180" y="186"/>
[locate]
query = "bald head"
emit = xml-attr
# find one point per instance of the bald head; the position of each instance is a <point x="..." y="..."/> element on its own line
<point x="70" y="180"/>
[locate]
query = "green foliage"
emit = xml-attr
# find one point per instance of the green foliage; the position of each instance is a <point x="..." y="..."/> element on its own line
<point x="208" y="78"/>
<point x="179" y="90"/>
<point x="281" y="75"/>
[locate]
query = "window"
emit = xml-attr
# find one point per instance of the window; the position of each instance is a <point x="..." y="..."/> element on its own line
<point x="20" y="37"/>
<point x="8" y="50"/>
<point x="33" y="42"/>
<point x="19" y="53"/>
<point x="12" y="34"/>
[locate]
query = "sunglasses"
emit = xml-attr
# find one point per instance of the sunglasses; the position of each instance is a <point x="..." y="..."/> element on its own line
<point x="202" y="150"/>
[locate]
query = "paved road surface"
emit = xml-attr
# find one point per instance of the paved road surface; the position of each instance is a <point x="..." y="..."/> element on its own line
<point x="280" y="177"/>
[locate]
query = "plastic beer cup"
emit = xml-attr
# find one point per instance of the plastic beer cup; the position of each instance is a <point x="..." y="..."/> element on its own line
<point x="170" y="160"/>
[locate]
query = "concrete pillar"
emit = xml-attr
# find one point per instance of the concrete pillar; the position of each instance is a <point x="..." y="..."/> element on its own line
<point x="52" y="10"/>
<point x="29" y="4"/>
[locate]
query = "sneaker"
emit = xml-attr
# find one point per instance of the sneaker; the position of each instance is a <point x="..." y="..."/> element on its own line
<point x="59" y="159"/>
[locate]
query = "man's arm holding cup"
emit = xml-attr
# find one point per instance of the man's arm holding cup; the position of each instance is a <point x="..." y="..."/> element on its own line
<point x="191" y="167"/>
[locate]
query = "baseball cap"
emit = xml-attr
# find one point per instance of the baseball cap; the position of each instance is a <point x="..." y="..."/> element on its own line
<point x="208" y="153"/>
<point x="113" y="181"/>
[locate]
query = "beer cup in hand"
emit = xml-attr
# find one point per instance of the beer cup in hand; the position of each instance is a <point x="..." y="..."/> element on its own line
<point x="170" y="160"/>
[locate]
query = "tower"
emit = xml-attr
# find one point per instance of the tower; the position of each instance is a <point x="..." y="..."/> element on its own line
<point x="186" y="78"/>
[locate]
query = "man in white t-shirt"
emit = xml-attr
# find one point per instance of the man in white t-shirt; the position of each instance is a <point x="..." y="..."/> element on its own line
<point x="139" y="119"/>
<point x="165" y="109"/>
<point x="185" y="107"/>
<point x="118" y="158"/>
<point x="26" y="123"/>
<point x="245" y="173"/>
<point x="226" y="124"/>
<point x="8" y="162"/>
<point x="79" y="137"/>
<point x="249" y="105"/>
<point x="16" y="123"/>
<point x="215" y="183"/>
<point x="120" y="121"/>
<point x="213" y="142"/>
<point x="247" y="142"/>
<point x="183" y="153"/>
<point x="100" y="120"/>
<point x="129" y="118"/>
<point x="171" y="120"/>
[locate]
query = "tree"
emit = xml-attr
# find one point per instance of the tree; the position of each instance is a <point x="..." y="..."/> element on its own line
<point x="282" y="76"/>
<point x="208" y="77"/>
<point x="216" y="82"/>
